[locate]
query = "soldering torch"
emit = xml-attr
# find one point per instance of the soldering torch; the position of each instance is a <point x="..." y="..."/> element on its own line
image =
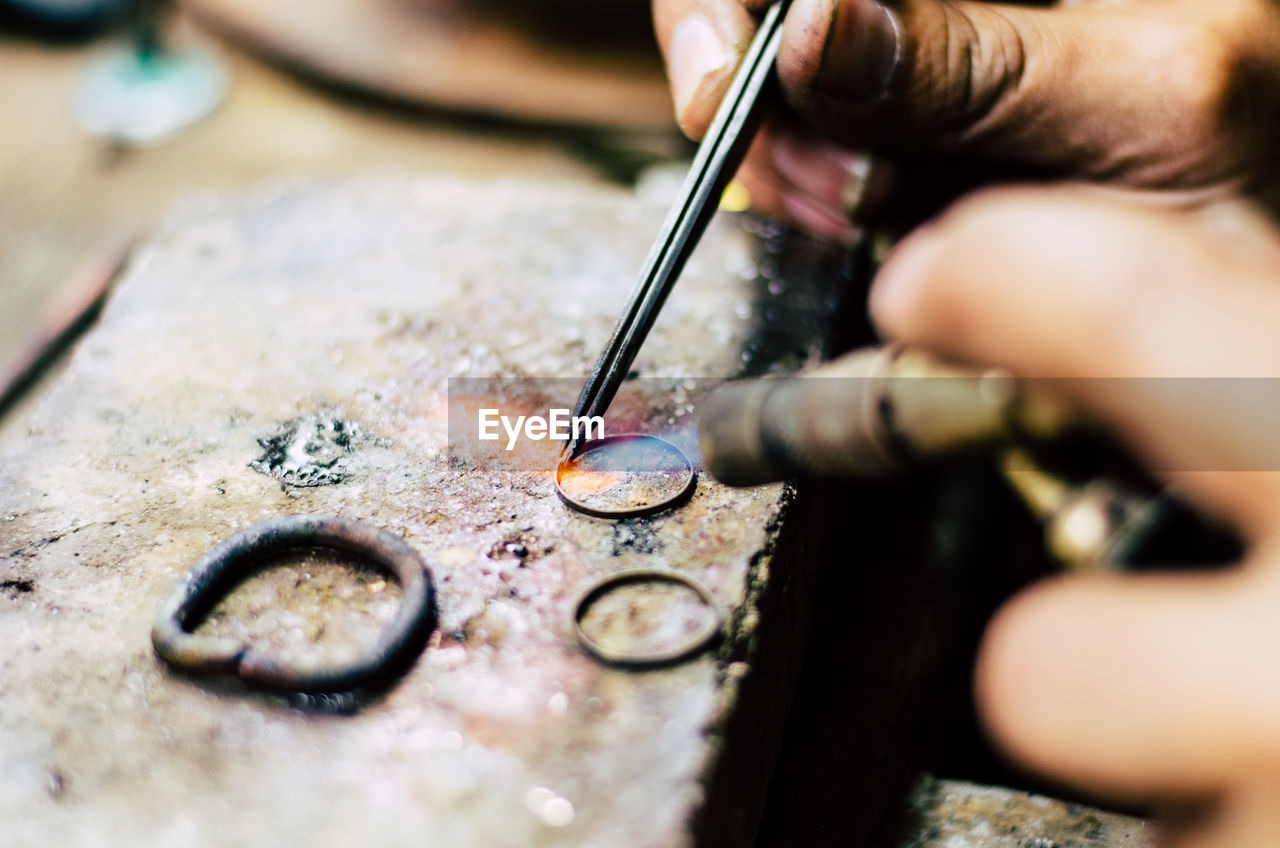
<point x="870" y="413"/>
<point x="880" y="411"/>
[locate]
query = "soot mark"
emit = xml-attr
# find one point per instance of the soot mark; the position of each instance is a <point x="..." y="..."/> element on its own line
<point x="635" y="536"/>
<point x="310" y="451"/>
<point x="524" y="546"/>
<point x="14" y="588"/>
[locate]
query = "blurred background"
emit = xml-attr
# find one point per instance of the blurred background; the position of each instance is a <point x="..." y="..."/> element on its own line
<point x="117" y="111"/>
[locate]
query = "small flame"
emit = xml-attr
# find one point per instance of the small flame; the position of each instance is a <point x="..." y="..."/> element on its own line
<point x="584" y="482"/>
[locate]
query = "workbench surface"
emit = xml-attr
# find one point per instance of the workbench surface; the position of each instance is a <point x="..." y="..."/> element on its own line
<point x="358" y="302"/>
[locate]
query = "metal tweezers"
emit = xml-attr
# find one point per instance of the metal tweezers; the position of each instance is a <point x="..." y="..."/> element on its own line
<point x="717" y="159"/>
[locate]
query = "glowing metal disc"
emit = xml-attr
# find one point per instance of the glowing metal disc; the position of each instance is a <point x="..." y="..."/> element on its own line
<point x="625" y="476"/>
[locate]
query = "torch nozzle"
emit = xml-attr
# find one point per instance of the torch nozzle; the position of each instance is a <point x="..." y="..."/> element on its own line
<point x="870" y="413"/>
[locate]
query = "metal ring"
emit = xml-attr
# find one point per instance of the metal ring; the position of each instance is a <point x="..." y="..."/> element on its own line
<point x="686" y="487"/>
<point x="230" y="562"/>
<point x="623" y="659"/>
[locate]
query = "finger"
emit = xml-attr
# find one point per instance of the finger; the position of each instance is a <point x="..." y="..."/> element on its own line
<point x="869" y="191"/>
<point x="1239" y="815"/>
<point x="778" y="200"/>
<point x="834" y="191"/>
<point x="840" y="182"/>
<point x="1069" y="89"/>
<point x="1076" y="284"/>
<point x="801" y="194"/>
<point x="1137" y="687"/>
<point x="1099" y="256"/>
<point x="703" y="41"/>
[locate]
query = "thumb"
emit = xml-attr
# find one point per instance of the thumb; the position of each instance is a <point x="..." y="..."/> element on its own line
<point x="1138" y="686"/>
<point x="1159" y="325"/>
<point x="1066" y="89"/>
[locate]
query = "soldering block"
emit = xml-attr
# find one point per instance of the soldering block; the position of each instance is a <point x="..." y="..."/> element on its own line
<point x="357" y="303"/>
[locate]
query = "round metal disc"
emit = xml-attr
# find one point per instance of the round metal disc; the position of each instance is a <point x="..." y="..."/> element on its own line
<point x="625" y="476"/>
<point x="623" y="658"/>
<point x="148" y="99"/>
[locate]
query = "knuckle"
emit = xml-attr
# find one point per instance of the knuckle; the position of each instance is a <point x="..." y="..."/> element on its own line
<point x="1208" y="80"/>
<point x="985" y="62"/>
<point x="1201" y="75"/>
<point x="989" y="213"/>
<point x="1010" y="679"/>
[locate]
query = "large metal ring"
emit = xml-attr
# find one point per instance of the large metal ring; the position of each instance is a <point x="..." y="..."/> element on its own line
<point x="230" y="562"/>
<point x="697" y="643"/>
<point x="688" y="479"/>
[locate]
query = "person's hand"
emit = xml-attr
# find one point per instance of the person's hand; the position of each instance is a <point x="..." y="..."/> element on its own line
<point x="1151" y="688"/>
<point x="1175" y="95"/>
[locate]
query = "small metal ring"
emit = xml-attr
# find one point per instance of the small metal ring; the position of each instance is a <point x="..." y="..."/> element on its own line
<point x="230" y="562"/>
<point x="623" y="659"/>
<point x="686" y="487"/>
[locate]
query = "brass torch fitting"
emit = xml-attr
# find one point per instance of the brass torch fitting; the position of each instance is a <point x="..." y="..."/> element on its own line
<point x="870" y="413"/>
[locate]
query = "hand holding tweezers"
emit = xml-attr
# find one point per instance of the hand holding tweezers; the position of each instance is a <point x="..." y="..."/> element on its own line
<point x="717" y="159"/>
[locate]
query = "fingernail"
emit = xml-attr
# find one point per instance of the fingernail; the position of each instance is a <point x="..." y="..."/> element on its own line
<point x="862" y="51"/>
<point x="695" y="52"/>
<point x="896" y="293"/>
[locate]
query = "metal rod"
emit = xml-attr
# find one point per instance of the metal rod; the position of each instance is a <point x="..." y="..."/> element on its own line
<point x="71" y="310"/>
<point x="717" y="159"/>
<point x="145" y="29"/>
